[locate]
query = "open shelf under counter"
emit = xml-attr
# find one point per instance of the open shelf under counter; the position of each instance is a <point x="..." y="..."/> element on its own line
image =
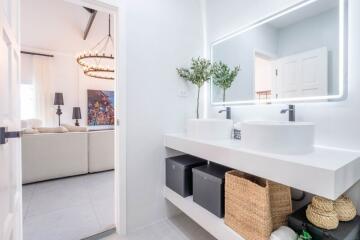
<point x="326" y="172"/>
<point x="211" y="223"/>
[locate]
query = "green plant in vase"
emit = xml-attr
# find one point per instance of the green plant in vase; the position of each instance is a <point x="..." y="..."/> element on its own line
<point x="224" y="77"/>
<point x="200" y="72"/>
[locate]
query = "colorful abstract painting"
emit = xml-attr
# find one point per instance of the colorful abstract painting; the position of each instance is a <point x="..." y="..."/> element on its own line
<point x="100" y="107"/>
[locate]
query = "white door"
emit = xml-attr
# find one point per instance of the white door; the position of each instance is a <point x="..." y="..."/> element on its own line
<point x="10" y="152"/>
<point x="302" y="75"/>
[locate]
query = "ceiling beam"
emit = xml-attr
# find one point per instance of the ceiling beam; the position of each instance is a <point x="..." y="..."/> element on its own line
<point x="37" y="54"/>
<point x="90" y="10"/>
<point x="93" y="13"/>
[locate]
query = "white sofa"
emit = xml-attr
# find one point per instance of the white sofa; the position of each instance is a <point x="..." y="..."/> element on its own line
<point x="101" y="151"/>
<point x="55" y="155"/>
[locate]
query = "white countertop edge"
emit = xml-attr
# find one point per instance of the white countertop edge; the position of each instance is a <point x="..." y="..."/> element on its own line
<point x="326" y="172"/>
<point x="347" y="156"/>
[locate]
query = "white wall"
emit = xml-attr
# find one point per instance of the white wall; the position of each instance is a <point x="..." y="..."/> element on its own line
<point x="57" y="29"/>
<point x="71" y="81"/>
<point x="67" y="77"/>
<point x="240" y="50"/>
<point x="161" y="35"/>
<point x="337" y="123"/>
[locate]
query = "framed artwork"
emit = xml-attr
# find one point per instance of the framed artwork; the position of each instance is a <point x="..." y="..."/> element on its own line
<point x="100" y="107"/>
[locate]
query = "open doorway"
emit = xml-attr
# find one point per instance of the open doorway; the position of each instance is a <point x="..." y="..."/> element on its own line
<point x="264" y="76"/>
<point x="68" y="170"/>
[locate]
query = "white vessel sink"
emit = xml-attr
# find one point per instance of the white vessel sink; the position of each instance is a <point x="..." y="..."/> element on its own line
<point x="278" y="137"/>
<point x="209" y="129"/>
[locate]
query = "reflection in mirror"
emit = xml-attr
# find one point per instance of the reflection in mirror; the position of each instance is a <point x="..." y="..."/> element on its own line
<point x="293" y="56"/>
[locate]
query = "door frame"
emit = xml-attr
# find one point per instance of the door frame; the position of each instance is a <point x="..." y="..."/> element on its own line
<point x="265" y="54"/>
<point x="11" y="227"/>
<point x="117" y="9"/>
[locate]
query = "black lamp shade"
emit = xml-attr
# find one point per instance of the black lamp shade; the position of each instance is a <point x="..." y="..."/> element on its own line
<point x="76" y="113"/>
<point x="59" y="99"/>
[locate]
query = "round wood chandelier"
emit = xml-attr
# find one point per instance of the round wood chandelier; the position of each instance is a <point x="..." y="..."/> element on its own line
<point x="99" y="61"/>
<point x="102" y="73"/>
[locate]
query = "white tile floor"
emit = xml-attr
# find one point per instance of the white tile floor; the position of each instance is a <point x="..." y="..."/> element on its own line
<point x="69" y="209"/>
<point x="178" y="228"/>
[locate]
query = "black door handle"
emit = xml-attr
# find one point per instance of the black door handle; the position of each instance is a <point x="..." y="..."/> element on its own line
<point x="5" y="135"/>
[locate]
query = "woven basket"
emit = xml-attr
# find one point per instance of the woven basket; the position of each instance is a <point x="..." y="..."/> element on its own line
<point x="280" y="203"/>
<point x="322" y="203"/>
<point x="345" y="209"/>
<point x="323" y="219"/>
<point x="254" y="207"/>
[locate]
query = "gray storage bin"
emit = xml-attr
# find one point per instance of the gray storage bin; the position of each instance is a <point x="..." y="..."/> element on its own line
<point x="209" y="187"/>
<point x="179" y="175"/>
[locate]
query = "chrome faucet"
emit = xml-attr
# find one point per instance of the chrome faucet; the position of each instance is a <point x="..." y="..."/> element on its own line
<point x="291" y="111"/>
<point x="228" y="112"/>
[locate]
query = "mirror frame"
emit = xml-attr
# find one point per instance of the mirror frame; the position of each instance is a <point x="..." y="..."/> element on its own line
<point x="343" y="51"/>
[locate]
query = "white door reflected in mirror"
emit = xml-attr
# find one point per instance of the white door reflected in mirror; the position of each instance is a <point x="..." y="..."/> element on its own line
<point x="296" y="55"/>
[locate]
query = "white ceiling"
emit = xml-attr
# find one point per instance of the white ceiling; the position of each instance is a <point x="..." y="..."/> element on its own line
<point x="58" y="26"/>
<point x="308" y="11"/>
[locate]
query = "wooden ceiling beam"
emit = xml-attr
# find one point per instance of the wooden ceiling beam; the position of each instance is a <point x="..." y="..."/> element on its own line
<point x="93" y="13"/>
<point x="90" y="10"/>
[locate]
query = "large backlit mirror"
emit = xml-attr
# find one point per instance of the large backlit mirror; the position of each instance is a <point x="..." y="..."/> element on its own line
<point x="296" y="55"/>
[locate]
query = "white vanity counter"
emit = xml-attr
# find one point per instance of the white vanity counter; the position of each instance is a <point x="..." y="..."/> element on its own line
<point x="326" y="172"/>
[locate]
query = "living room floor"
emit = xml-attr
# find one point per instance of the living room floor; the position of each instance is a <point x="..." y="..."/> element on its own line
<point x="69" y="209"/>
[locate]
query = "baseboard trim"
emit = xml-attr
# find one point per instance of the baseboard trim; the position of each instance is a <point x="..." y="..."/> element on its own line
<point x="77" y="175"/>
<point x="101" y="235"/>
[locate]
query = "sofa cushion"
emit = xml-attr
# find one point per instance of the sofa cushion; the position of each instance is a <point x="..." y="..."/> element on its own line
<point x="30" y="131"/>
<point x="52" y="129"/>
<point x="72" y="128"/>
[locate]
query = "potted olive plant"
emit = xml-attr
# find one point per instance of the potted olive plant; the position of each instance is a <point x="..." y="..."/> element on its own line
<point x="199" y="73"/>
<point x="223" y="76"/>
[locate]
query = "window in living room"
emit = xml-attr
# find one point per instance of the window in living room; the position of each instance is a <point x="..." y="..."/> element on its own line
<point x="27" y="89"/>
<point x="27" y="92"/>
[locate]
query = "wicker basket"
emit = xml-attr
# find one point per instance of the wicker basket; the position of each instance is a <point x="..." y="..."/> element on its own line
<point x="322" y="203"/>
<point x="254" y="207"/>
<point x="280" y="203"/>
<point x="323" y="219"/>
<point x="345" y="209"/>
